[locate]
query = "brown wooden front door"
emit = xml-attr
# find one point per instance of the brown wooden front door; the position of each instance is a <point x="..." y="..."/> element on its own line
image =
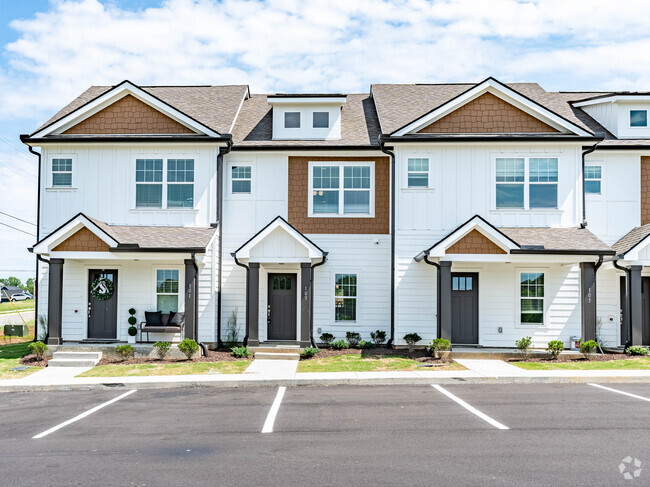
<point x="281" y="308"/>
<point x="102" y="313"/>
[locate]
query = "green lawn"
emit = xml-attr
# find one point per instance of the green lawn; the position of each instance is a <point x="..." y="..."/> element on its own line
<point x="19" y="305"/>
<point x="637" y="363"/>
<point x="179" y="368"/>
<point x="356" y="363"/>
<point x="10" y="357"/>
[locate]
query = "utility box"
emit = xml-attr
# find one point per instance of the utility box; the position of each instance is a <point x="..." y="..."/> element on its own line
<point x="16" y="330"/>
<point x="574" y="343"/>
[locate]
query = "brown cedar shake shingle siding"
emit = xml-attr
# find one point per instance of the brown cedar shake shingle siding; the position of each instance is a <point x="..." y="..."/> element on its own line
<point x="484" y="115"/>
<point x="475" y="243"/>
<point x="82" y="241"/>
<point x="645" y="190"/>
<point x="299" y="202"/>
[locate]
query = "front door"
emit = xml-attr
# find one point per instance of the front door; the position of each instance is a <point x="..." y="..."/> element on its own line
<point x="281" y="308"/>
<point x="645" y="303"/>
<point x="464" y="308"/>
<point x="102" y="304"/>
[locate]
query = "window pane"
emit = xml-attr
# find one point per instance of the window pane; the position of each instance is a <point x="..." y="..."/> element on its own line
<point x="166" y="303"/>
<point x="510" y="170"/>
<point x="180" y="170"/>
<point x="346" y="285"/>
<point x="292" y="120"/>
<point x="321" y="120"/>
<point x="345" y="309"/>
<point x="167" y="281"/>
<point x="241" y="172"/>
<point x="62" y="179"/>
<point x="61" y="164"/>
<point x="468" y="283"/>
<point x="356" y="177"/>
<point x="542" y="170"/>
<point x="418" y="164"/>
<point x="638" y="118"/>
<point x="543" y="196"/>
<point x="356" y="202"/>
<point x="510" y="195"/>
<point x="241" y="186"/>
<point x="418" y="180"/>
<point x="148" y="170"/>
<point x="180" y="196"/>
<point x="148" y="195"/>
<point x="592" y="187"/>
<point x="593" y="172"/>
<point x="532" y="284"/>
<point x="461" y="283"/>
<point x="325" y="177"/>
<point x="532" y="318"/>
<point x="326" y="201"/>
<point x="454" y="284"/>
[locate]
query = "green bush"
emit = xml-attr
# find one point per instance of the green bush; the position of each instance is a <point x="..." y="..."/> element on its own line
<point x="339" y="345"/>
<point x="523" y="345"/>
<point x="327" y="338"/>
<point x="162" y="349"/>
<point x="554" y="348"/>
<point x="132" y="311"/>
<point x="124" y="351"/>
<point x="240" y="352"/>
<point x="308" y="352"/>
<point x="188" y="347"/>
<point x="39" y="349"/>
<point x="132" y="320"/>
<point x="440" y="344"/>
<point x="587" y="348"/>
<point x="378" y="336"/>
<point x="132" y="331"/>
<point x="637" y="350"/>
<point x="411" y="339"/>
<point x="353" y="338"/>
<point x="364" y="344"/>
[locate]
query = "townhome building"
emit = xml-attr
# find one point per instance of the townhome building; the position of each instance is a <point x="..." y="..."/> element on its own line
<point x="480" y="212"/>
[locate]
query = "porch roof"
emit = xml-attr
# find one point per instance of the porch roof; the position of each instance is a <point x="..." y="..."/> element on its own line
<point x="632" y="239"/>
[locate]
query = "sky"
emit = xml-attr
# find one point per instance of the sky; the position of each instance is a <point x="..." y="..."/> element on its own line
<point x="52" y="50"/>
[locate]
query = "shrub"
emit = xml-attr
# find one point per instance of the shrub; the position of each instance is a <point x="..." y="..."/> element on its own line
<point x="132" y="331"/>
<point x="364" y="344"/>
<point x="587" y="348"/>
<point x="411" y="339"/>
<point x="339" y="345"/>
<point x="162" y="349"/>
<point x="378" y="337"/>
<point x="523" y="344"/>
<point x="240" y="352"/>
<point x="124" y="351"/>
<point x="327" y="338"/>
<point x="39" y="349"/>
<point x="132" y="320"/>
<point x="309" y="352"/>
<point x="353" y="338"/>
<point x="554" y="348"/>
<point x="440" y="344"/>
<point x="232" y="333"/>
<point x="188" y="347"/>
<point x="132" y="311"/>
<point x="637" y="350"/>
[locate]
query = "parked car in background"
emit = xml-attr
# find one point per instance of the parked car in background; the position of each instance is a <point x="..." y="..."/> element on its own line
<point x="20" y="297"/>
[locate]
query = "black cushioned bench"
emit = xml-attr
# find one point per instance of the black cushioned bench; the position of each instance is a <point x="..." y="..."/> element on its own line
<point x="177" y="326"/>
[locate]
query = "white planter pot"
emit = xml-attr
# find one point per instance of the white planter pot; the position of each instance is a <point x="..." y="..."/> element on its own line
<point x="131" y="339"/>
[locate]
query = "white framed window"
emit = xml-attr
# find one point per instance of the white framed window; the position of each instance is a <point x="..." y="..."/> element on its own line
<point x="321" y="120"/>
<point x="291" y="120"/>
<point x="593" y="179"/>
<point x="164" y="183"/>
<point x="418" y="172"/>
<point x="526" y="182"/>
<point x="638" y="118"/>
<point x="341" y="189"/>
<point x="167" y="290"/>
<point x="345" y="297"/>
<point x="61" y="167"/>
<point x="531" y="298"/>
<point x="241" y="179"/>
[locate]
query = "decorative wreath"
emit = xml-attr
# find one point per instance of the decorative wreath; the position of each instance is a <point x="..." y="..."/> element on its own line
<point x="101" y="289"/>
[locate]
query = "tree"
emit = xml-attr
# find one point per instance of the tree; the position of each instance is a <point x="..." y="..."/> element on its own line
<point x="12" y="281"/>
<point x="29" y="285"/>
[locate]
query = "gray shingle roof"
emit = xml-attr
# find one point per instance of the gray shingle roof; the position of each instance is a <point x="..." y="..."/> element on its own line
<point x="559" y="239"/>
<point x="631" y="239"/>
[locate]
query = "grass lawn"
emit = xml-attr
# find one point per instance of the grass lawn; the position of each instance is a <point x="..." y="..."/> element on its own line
<point x="19" y="305"/>
<point x="10" y="357"/>
<point x="180" y="368"/>
<point x="355" y="363"/>
<point x="623" y="364"/>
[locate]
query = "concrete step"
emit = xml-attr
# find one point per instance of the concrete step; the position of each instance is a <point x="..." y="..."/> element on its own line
<point x="277" y="356"/>
<point x="71" y="363"/>
<point x="74" y="359"/>
<point x="279" y="349"/>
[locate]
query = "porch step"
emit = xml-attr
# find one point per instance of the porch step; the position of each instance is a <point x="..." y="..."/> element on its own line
<point x="281" y="349"/>
<point x="277" y="356"/>
<point x="74" y="359"/>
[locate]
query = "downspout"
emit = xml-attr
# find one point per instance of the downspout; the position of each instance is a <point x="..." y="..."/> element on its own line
<point x="584" y="204"/>
<point x="247" y="277"/>
<point x="219" y="223"/>
<point x="393" y="197"/>
<point x="311" y="305"/>
<point x="628" y="298"/>
<point x="438" y="290"/>
<point x="38" y="229"/>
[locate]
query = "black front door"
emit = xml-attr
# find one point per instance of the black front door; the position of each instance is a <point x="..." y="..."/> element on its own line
<point x="281" y="309"/>
<point x="645" y="303"/>
<point x="464" y="308"/>
<point x="102" y="313"/>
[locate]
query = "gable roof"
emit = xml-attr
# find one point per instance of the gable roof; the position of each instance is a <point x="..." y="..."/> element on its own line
<point x="632" y="239"/>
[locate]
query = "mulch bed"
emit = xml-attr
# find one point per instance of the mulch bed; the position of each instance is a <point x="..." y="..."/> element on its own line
<point x="596" y="357"/>
<point x="213" y="356"/>
<point x="32" y="361"/>
<point x="418" y="354"/>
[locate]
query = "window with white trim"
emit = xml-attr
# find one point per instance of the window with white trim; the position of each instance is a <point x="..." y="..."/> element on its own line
<point x="167" y="294"/>
<point x="341" y="189"/>
<point x="180" y="183"/>
<point x="531" y="293"/>
<point x="345" y="297"/>
<point x="418" y="172"/>
<point x="241" y="178"/>
<point x="153" y="176"/>
<point x="526" y="183"/>
<point x="593" y="179"/>
<point x="321" y="120"/>
<point x="62" y="172"/>
<point x="638" y="118"/>
<point x="291" y="120"/>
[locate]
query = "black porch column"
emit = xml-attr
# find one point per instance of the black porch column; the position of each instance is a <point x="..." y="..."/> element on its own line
<point x="636" y="307"/>
<point x="305" y="304"/>
<point x="444" y="306"/>
<point x="588" y="299"/>
<point x="190" y="300"/>
<point x="55" y="302"/>
<point x="253" y="305"/>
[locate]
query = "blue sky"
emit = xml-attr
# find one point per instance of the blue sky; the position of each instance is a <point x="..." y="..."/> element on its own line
<point x="51" y="50"/>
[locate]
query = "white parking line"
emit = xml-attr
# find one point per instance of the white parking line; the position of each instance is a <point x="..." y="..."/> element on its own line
<point x="621" y="392"/>
<point x="82" y="415"/>
<point x="471" y="409"/>
<point x="275" y="407"/>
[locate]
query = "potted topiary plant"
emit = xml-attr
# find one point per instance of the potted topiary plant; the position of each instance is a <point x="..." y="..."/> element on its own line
<point x="440" y="348"/>
<point x="132" y="331"/>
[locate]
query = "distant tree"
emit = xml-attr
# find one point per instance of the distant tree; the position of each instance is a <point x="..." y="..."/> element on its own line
<point x="12" y="281"/>
<point x="29" y="285"/>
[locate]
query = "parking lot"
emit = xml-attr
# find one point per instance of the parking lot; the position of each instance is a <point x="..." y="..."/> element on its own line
<point x="508" y="434"/>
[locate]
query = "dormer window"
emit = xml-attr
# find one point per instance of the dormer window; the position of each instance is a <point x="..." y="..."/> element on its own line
<point x="321" y="120"/>
<point x="307" y="117"/>
<point x="291" y="120"/>
<point x="638" y="118"/>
